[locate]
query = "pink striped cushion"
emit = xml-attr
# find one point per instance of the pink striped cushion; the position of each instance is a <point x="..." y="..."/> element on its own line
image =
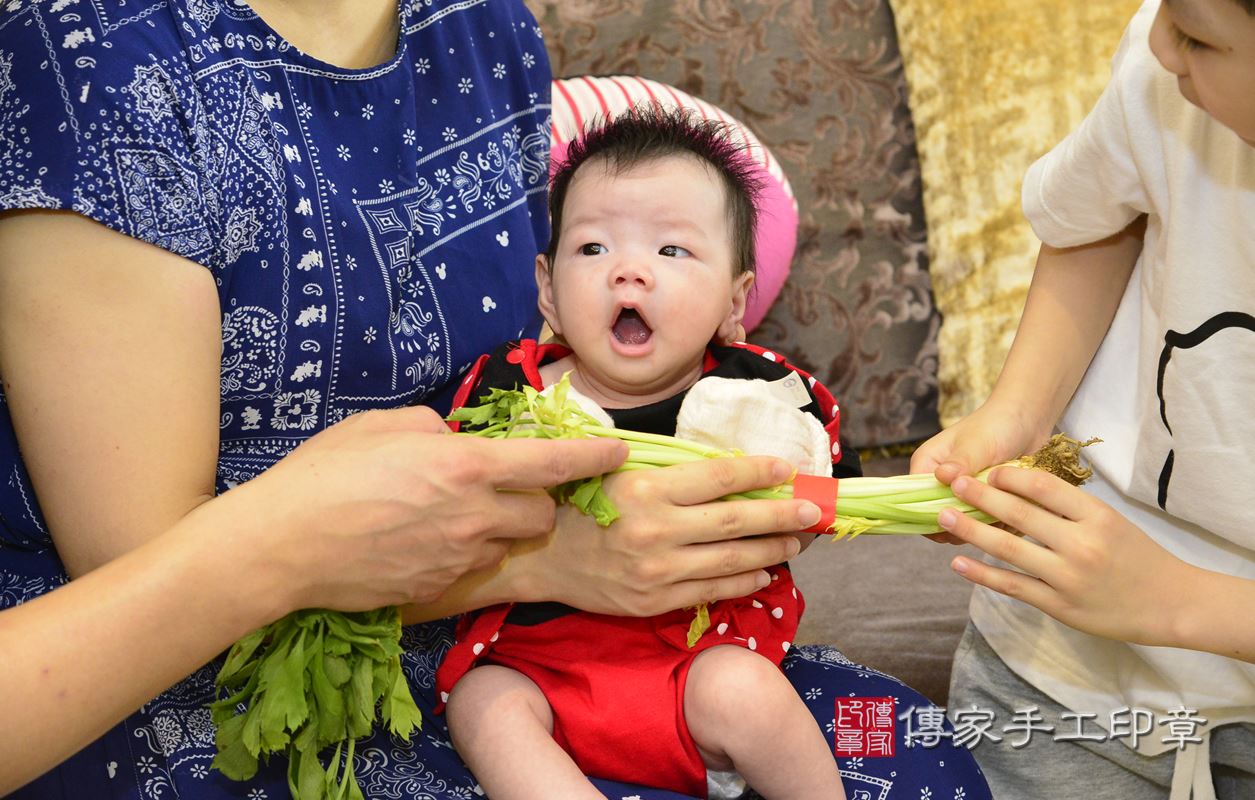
<point x="576" y="101"/>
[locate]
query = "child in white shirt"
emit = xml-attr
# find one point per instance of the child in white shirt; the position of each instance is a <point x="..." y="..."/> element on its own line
<point x="1146" y="577"/>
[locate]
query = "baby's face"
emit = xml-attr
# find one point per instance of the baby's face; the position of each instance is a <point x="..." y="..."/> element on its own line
<point x="1210" y="46"/>
<point x="643" y="278"/>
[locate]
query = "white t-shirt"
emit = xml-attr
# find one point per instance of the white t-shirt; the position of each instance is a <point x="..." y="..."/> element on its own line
<point x="1171" y="391"/>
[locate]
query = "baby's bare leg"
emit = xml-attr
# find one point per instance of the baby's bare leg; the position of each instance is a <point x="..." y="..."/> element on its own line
<point x="502" y="727"/>
<point x="743" y="712"/>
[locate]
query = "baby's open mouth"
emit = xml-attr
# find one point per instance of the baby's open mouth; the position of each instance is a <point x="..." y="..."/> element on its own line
<point x="630" y="327"/>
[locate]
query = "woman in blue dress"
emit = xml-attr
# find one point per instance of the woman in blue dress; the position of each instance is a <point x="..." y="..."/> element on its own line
<point x="250" y="222"/>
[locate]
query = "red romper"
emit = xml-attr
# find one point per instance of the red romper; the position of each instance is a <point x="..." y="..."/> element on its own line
<point x="616" y="684"/>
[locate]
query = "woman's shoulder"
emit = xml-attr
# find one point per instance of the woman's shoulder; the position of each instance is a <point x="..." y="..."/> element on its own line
<point x="143" y="55"/>
<point x="75" y="68"/>
<point x="69" y="70"/>
<point x="112" y="116"/>
<point x="78" y="43"/>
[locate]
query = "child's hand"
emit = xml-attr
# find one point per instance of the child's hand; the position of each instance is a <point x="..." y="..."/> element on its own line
<point x="985" y="437"/>
<point x="1089" y="567"/>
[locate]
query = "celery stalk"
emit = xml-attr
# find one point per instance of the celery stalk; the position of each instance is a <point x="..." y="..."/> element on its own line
<point x="905" y="504"/>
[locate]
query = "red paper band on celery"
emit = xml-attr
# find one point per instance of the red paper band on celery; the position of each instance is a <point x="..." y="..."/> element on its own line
<point x="823" y="493"/>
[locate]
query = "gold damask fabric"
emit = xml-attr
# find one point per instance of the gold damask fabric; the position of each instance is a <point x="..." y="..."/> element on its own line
<point x="994" y="84"/>
<point x="821" y="84"/>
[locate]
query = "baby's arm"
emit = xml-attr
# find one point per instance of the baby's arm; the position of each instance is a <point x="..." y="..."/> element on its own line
<point x="1072" y="300"/>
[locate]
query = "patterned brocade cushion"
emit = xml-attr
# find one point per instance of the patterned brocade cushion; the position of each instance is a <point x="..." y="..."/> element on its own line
<point x="584" y="100"/>
<point x="994" y="84"/>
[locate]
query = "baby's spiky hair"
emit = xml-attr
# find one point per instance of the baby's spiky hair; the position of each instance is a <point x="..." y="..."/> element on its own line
<point x="649" y="132"/>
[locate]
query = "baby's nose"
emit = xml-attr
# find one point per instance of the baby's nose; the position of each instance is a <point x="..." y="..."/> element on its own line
<point x="632" y="271"/>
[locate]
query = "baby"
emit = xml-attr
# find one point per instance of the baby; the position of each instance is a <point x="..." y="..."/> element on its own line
<point x="645" y="281"/>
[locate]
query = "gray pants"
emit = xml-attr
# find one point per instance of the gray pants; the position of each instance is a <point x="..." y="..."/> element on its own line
<point x="1046" y="769"/>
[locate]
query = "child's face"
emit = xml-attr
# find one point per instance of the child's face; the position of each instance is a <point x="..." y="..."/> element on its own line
<point x="643" y="279"/>
<point x="1210" y="46"/>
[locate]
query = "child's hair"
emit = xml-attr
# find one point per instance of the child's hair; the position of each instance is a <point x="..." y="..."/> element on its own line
<point x="649" y="132"/>
<point x="1247" y="5"/>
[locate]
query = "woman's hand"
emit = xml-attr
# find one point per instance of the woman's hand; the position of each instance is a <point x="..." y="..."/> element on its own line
<point x="389" y="507"/>
<point x="383" y="508"/>
<point x="1089" y="567"/>
<point x="675" y="544"/>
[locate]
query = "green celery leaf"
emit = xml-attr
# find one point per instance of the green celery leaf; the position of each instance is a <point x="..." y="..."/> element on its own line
<point x="282" y="706"/>
<point x="337" y="668"/>
<point x="291" y="689"/>
<point x="233" y="758"/>
<point x="250" y="732"/>
<point x="474" y="416"/>
<point x="590" y="498"/>
<point x="226" y="708"/>
<point x="240" y="656"/>
<point x="355" y="791"/>
<point x="306" y="739"/>
<point x="369" y="624"/>
<point x="339" y="626"/>
<point x="381" y="679"/>
<point x="399" y="710"/>
<point x="334" y="785"/>
<point x="330" y="703"/>
<point x="311" y="779"/>
<point x="335" y="646"/>
<point x="699" y="625"/>
<point x="361" y="709"/>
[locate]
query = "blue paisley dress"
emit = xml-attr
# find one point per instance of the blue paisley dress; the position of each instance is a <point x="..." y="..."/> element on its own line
<point x="371" y="233"/>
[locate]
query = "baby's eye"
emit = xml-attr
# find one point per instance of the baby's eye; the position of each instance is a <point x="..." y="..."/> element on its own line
<point x="674" y="251"/>
<point x="592" y="249"/>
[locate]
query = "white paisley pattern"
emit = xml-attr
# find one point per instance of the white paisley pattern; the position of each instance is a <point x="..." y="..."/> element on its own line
<point x="250" y="350"/>
<point x="153" y="92"/>
<point x="6" y="74"/>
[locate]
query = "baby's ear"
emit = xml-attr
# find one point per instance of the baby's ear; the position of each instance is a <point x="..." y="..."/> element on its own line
<point x="731" y="329"/>
<point x="544" y="295"/>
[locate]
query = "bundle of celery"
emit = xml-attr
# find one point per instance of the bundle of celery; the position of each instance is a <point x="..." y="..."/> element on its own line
<point x="906" y="504"/>
<point x="309" y="681"/>
<point x="315" y="678"/>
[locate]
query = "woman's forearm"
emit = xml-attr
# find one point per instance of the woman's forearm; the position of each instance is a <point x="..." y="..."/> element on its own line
<point x="76" y="661"/>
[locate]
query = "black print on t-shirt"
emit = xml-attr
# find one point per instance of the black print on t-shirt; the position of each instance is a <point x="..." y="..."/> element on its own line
<point x="1174" y="341"/>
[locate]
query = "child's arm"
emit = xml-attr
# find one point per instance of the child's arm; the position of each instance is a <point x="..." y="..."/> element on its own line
<point x="1072" y="300"/>
<point x="1086" y="196"/>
